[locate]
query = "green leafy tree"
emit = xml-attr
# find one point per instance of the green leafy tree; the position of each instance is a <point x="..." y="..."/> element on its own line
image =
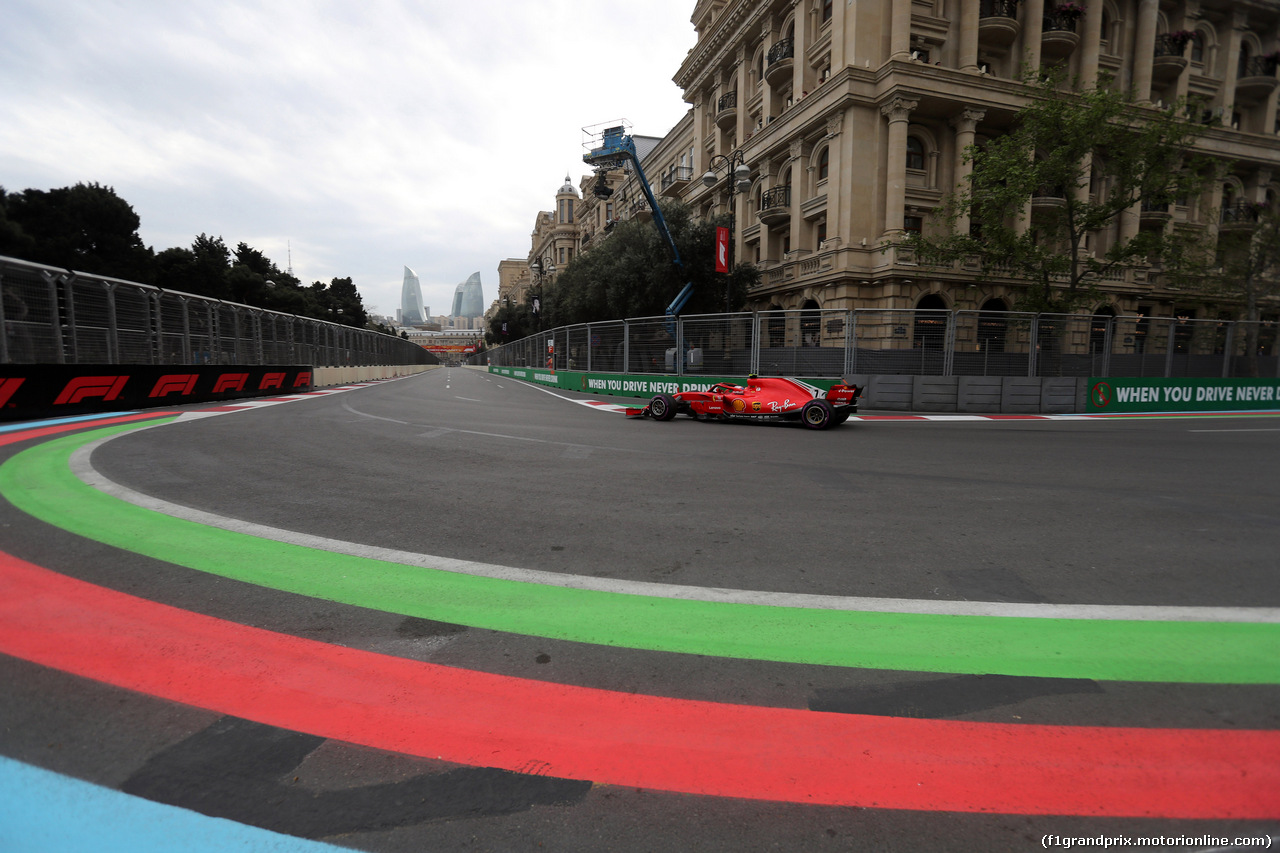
<point x="632" y="274"/>
<point x="1097" y="156"/>
<point x="1240" y="263"/>
<point x="85" y="227"/>
<point x="510" y="323"/>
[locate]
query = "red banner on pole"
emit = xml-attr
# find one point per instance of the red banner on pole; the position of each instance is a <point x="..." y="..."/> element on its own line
<point x="722" y="250"/>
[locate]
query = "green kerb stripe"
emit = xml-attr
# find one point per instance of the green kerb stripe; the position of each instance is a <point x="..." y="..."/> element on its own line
<point x="39" y="481"/>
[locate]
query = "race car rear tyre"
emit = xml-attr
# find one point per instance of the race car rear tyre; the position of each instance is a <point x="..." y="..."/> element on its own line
<point x="817" y="414"/>
<point x="663" y="407"/>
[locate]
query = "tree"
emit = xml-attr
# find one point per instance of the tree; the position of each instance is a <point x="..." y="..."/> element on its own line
<point x="1095" y="156"/>
<point x="510" y="323"/>
<point x="85" y="227"/>
<point x="632" y="274"/>
<point x="1239" y="261"/>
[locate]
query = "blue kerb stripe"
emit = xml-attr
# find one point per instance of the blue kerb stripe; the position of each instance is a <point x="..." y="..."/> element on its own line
<point x="56" y="421"/>
<point x="42" y="811"/>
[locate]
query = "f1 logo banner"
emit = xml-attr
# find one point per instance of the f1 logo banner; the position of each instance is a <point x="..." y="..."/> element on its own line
<point x="30" y="391"/>
<point x="722" y="249"/>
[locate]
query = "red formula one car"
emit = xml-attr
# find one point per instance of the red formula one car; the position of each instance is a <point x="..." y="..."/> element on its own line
<point x="762" y="398"/>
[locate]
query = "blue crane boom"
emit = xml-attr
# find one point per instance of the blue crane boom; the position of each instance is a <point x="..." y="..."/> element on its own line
<point x="616" y="147"/>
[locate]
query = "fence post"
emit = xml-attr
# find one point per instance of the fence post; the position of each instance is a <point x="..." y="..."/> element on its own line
<point x="4" y="325"/>
<point x="1108" y="339"/>
<point x="850" y="344"/>
<point x="60" y="325"/>
<point x="113" y="325"/>
<point x="753" y="362"/>
<point x="949" y="347"/>
<point x="1227" y="348"/>
<point x="1168" y="348"/>
<point x="157" y="339"/>
<point x="1033" y="350"/>
<point x="679" y="357"/>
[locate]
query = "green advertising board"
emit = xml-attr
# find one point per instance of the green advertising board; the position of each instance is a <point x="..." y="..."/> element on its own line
<point x="625" y="384"/>
<point x="1123" y="395"/>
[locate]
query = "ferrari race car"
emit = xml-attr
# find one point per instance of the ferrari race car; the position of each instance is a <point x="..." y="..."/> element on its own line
<point x="762" y="398"/>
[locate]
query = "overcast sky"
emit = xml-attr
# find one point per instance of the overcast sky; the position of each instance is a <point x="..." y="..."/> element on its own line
<point x="367" y="135"/>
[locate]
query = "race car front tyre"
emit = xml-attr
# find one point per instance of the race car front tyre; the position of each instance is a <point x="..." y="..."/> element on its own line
<point x="662" y="407"/>
<point x="817" y="414"/>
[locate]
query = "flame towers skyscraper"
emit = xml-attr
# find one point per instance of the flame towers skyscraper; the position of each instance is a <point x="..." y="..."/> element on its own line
<point x="412" y="312"/>
<point x="468" y="299"/>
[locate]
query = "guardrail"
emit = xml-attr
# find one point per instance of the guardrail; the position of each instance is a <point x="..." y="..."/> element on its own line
<point x="59" y="316"/>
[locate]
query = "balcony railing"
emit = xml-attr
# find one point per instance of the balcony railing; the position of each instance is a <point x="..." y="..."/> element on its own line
<point x="1064" y="22"/>
<point x="783" y="49"/>
<point x="1257" y="66"/>
<point x="775" y="205"/>
<point x="1240" y="213"/>
<point x="998" y="9"/>
<point x="727" y="102"/>
<point x="676" y="177"/>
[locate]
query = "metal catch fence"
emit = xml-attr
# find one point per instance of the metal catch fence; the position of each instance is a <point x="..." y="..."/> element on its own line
<point x="55" y="316"/>
<point x="821" y="343"/>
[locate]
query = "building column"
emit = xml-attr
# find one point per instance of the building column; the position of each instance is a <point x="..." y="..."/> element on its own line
<point x="798" y="190"/>
<point x="900" y="33"/>
<point x="966" y="125"/>
<point x="898" y="111"/>
<point x="837" y="223"/>
<point x="1144" y="50"/>
<point x="1227" y="94"/>
<point x="969" y="36"/>
<point x="802" y="74"/>
<point x="1091" y="46"/>
<point x="1032" y="31"/>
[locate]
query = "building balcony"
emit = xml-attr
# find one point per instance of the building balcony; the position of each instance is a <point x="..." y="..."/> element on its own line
<point x="1048" y="198"/>
<point x="780" y="62"/>
<point x="727" y="111"/>
<point x="1154" y="214"/>
<point x="1257" y="77"/>
<point x="1240" y="215"/>
<point x="997" y="22"/>
<point x="1169" y="60"/>
<point x="775" y="206"/>
<point x="1059" y="38"/>
<point x="676" y="179"/>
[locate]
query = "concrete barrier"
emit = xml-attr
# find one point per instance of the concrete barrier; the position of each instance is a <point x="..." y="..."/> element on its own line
<point x="325" y="377"/>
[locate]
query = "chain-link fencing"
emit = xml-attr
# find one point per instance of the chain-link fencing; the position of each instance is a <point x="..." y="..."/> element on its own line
<point x="822" y="343"/>
<point x="55" y="316"/>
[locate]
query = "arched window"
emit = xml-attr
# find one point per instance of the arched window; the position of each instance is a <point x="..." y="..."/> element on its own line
<point x="1098" y="327"/>
<point x="810" y="324"/>
<point x="824" y="164"/>
<point x="993" y="326"/>
<point x="915" y="153"/>
<point x="929" y="330"/>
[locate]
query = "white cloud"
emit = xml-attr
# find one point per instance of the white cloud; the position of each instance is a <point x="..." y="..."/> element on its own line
<point x="368" y="136"/>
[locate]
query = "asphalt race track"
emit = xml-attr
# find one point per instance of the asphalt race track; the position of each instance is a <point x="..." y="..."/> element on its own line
<point x="459" y="612"/>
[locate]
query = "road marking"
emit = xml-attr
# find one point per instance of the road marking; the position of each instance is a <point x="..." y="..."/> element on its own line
<point x="615" y="738"/>
<point x="41" y="811"/>
<point x="724" y="623"/>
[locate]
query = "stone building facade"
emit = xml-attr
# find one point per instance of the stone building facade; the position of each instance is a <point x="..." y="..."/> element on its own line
<point x="852" y="118"/>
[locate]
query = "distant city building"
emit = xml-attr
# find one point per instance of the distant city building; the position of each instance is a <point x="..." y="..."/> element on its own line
<point x="468" y="299"/>
<point x="412" y="311"/>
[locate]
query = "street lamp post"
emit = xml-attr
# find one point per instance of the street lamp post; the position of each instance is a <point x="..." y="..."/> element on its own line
<point x="543" y="269"/>
<point x="739" y="173"/>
